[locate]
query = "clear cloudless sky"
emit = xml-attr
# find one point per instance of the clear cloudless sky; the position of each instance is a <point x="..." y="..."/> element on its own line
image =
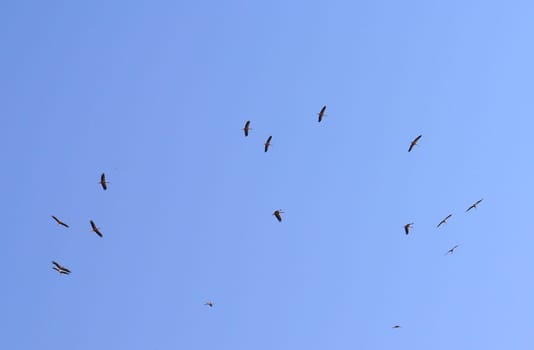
<point x="155" y="94"/>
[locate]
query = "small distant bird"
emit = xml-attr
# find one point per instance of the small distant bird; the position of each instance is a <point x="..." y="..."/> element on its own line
<point x="396" y="326"/>
<point x="247" y="128"/>
<point x="209" y="303"/>
<point x="414" y="142"/>
<point x="59" y="221"/>
<point x="61" y="269"/>
<point x="407" y="227"/>
<point x="474" y="205"/>
<point x="321" y="113"/>
<point x="103" y="181"/>
<point x="95" y="229"/>
<point x="444" y="221"/>
<point x="450" y="251"/>
<point x="277" y="214"/>
<point x="268" y="143"/>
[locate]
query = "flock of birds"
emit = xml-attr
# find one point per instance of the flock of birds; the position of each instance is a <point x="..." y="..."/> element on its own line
<point x="57" y="266"/>
<point x="407" y="227"/>
<point x="62" y="270"/>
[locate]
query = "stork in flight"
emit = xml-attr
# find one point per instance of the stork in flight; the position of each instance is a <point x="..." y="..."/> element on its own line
<point x="407" y="227"/>
<point x="474" y="205"/>
<point x="59" y="222"/>
<point x="444" y="221"/>
<point x="247" y="128"/>
<point x="277" y="214"/>
<point x="61" y="269"/>
<point x="95" y="229"/>
<point x="396" y="326"/>
<point x="450" y="251"/>
<point x="414" y="143"/>
<point x="321" y="113"/>
<point x="268" y="143"/>
<point x="103" y="181"/>
<point x="209" y="303"/>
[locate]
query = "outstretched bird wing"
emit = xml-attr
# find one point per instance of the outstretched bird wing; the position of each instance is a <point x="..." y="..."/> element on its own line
<point x="59" y="221"/>
<point x="414" y="142"/>
<point x="95" y="229"/>
<point x="444" y="220"/>
<point x="321" y="113"/>
<point x="103" y="181"/>
<point x="474" y="205"/>
<point x="450" y="251"/>
<point x="268" y="143"/>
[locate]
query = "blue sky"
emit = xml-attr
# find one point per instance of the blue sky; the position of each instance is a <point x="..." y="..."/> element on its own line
<point x="155" y="95"/>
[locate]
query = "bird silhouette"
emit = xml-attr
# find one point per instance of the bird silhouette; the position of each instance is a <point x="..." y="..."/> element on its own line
<point x="61" y="269"/>
<point x="103" y="181"/>
<point x="414" y="143"/>
<point x="450" y="251"/>
<point x="474" y="205"/>
<point x="247" y="128"/>
<point x="268" y="143"/>
<point x="444" y="221"/>
<point x="59" y="222"/>
<point x="95" y="229"/>
<point x="321" y="113"/>
<point x="277" y="214"/>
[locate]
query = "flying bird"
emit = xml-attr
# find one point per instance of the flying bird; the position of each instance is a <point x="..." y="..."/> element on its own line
<point x="59" y="222"/>
<point x="396" y="326"/>
<point x="444" y="221"/>
<point x="414" y="142"/>
<point x="321" y="113"/>
<point x="450" y="251"/>
<point x="247" y="128"/>
<point x="407" y="227"/>
<point x="209" y="303"/>
<point x="61" y="269"/>
<point x="95" y="229"/>
<point x="474" y="205"/>
<point x="103" y="181"/>
<point x="277" y="214"/>
<point x="268" y="143"/>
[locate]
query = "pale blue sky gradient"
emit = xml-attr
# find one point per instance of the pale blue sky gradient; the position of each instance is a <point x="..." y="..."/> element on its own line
<point x="155" y="94"/>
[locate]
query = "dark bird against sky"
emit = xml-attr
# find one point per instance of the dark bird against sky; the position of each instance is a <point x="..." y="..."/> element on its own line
<point x="474" y="205"/>
<point x="407" y="227"/>
<point x="247" y="128"/>
<point x="209" y="303"/>
<point x="321" y="113"/>
<point x="277" y="214"/>
<point x="59" y="222"/>
<point x="450" y="251"/>
<point x="95" y="229"/>
<point x="414" y="142"/>
<point x="268" y="143"/>
<point x="103" y="181"/>
<point x="444" y="221"/>
<point x="61" y="269"/>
